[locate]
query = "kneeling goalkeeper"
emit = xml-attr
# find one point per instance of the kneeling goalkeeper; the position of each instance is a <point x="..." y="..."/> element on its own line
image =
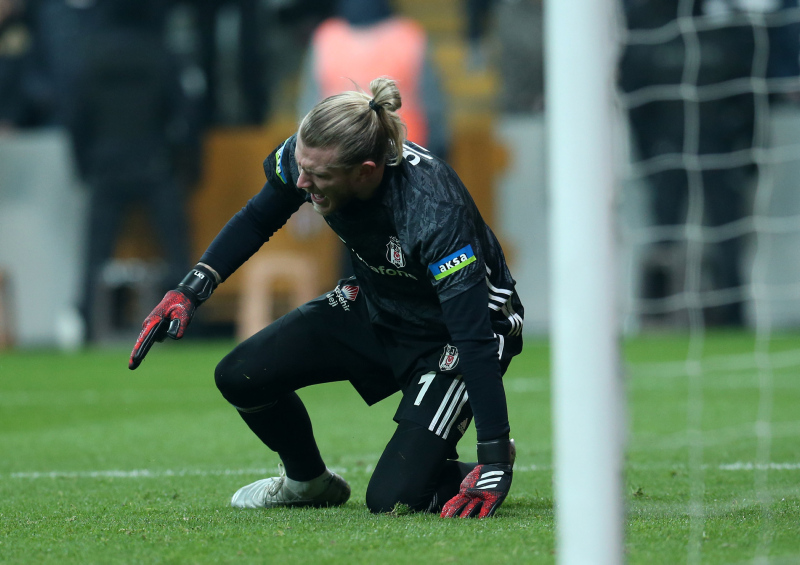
<point x="431" y="311"/>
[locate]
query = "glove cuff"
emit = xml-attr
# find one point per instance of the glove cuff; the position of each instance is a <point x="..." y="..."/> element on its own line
<point x="497" y="451"/>
<point x="198" y="284"/>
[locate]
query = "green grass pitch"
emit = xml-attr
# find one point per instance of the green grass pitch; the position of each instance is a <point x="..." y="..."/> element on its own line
<point x="99" y="464"/>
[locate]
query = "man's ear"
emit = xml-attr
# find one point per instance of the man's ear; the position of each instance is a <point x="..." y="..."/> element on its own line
<point x="367" y="178"/>
<point x="366" y="170"/>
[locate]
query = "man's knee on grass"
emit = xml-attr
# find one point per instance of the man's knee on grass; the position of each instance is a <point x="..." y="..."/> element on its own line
<point x="396" y="499"/>
<point x="239" y="387"/>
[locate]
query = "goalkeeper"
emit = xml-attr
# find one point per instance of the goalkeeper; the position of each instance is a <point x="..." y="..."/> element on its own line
<point x="431" y="311"/>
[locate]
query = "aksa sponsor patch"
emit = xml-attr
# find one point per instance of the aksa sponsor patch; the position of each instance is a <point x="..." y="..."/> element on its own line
<point x="452" y="263"/>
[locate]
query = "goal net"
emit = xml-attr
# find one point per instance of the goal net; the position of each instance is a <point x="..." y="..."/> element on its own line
<point x="709" y="91"/>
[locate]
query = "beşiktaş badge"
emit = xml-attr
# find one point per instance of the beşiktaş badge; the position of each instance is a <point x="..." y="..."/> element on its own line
<point x="449" y="358"/>
<point x="394" y="253"/>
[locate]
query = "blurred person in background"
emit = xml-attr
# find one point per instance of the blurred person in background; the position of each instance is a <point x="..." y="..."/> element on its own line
<point x="478" y="14"/>
<point x="287" y="32"/>
<point x="250" y="73"/>
<point x="128" y="118"/>
<point x="509" y="36"/>
<point x="518" y="28"/>
<point x="726" y="124"/>
<point x="432" y="310"/>
<point x="61" y="31"/>
<point x="364" y="39"/>
<point x="20" y="105"/>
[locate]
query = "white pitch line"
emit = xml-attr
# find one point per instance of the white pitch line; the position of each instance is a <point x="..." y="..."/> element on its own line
<point x="740" y="466"/>
<point x="133" y="474"/>
<point x="154" y="474"/>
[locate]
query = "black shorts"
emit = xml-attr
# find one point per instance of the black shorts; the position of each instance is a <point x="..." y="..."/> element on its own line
<point x="331" y="339"/>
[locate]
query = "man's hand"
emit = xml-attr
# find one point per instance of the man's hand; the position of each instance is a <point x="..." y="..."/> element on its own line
<point x="482" y="492"/>
<point x="175" y="311"/>
<point x="486" y="487"/>
<point x="169" y="318"/>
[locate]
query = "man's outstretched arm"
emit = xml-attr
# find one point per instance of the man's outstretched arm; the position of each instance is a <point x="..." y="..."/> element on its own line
<point x="241" y="237"/>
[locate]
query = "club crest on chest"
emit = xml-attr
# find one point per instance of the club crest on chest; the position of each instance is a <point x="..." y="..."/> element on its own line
<point x="394" y="253"/>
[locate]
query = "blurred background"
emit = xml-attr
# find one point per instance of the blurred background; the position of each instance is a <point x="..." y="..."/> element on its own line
<point x="132" y="130"/>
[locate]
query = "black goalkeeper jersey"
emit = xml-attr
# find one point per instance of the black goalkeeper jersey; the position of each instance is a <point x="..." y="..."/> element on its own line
<point x="417" y="244"/>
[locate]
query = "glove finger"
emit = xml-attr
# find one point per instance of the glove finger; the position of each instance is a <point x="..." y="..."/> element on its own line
<point x="453" y="506"/>
<point x="175" y="330"/>
<point x="151" y="330"/>
<point x="471" y="508"/>
<point x="490" y="506"/>
<point x="180" y="315"/>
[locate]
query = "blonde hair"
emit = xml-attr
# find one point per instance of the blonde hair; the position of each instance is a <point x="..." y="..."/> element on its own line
<point x="363" y="128"/>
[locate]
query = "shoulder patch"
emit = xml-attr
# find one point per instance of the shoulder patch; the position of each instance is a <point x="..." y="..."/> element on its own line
<point x="452" y="263"/>
<point x="278" y="162"/>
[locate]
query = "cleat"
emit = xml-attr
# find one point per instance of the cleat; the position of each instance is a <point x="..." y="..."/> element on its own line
<point x="329" y="489"/>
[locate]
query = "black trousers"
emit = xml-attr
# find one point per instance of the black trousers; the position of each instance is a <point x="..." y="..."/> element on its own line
<point x="164" y="203"/>
<point x="330" y="339"/>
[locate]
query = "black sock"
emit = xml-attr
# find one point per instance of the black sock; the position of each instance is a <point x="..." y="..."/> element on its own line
<point x="285" y="428"/>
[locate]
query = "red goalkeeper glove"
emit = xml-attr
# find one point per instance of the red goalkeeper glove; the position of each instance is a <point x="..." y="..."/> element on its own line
<point x="487" y="485"/>
<point x="172" y="315"/>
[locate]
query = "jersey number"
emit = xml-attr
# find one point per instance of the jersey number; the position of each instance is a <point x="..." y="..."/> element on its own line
<point x="425" y="381"/>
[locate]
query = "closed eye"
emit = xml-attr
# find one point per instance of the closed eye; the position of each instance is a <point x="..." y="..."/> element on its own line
<point x="313" y="173"/>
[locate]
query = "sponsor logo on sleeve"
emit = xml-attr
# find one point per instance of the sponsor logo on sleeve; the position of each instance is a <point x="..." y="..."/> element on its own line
<point x="452" y="263"/>
<point x="278" y="165"/>
<point x="449" y="358"/>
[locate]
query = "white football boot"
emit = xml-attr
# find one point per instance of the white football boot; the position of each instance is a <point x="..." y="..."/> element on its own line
<point x="329" y="489"/>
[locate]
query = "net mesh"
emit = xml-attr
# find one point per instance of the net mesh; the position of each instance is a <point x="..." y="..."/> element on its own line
<point x="709" y="92"/>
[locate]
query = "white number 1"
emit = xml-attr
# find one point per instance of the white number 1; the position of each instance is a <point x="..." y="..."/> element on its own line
<point x="425" y="381"/>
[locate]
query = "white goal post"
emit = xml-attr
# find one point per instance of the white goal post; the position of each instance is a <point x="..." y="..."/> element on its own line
<point x="587" y="398"/>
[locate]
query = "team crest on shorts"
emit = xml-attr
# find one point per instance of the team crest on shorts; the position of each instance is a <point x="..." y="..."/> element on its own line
<point x="394" y="253"/>
<point x="449" y="358"/>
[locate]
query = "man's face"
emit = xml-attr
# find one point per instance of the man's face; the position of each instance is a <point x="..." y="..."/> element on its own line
<point x="330" y="187"/>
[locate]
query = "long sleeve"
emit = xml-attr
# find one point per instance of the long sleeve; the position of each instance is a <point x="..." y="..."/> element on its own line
<point x="467" y="318"/>
<point x="247" y="231"/>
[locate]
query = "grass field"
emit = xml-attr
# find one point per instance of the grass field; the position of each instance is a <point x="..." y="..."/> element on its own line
<point x="103" y="465"/>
